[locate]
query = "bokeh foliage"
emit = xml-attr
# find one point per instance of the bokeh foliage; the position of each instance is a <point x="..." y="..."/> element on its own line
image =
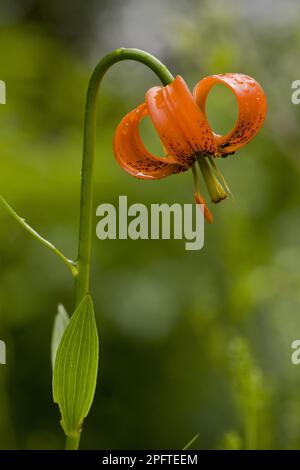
<point x="190" y="342"/>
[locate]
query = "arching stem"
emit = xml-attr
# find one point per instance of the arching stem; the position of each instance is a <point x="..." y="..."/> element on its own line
<point x="87" y="176"/>
<point x="81" y="268"/>
<point x="88" y="164"/>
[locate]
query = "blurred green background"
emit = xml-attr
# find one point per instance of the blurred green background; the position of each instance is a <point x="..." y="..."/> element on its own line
<point x="191" y="342"/>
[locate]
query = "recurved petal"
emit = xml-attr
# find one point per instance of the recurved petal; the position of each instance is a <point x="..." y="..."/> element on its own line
<point x="132" y="155"/>
<point x="252" y="108"/>
<point x="180" y="123"/>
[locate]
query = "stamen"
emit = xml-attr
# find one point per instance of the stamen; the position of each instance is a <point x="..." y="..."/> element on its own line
<point x="199" y="199"/>
<point x="215" y="189"/>
<point x="219" y="175"/>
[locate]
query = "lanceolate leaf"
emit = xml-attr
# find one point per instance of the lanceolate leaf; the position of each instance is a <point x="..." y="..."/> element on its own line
<point x="76" y="366"/>
<point x="60" y="324"/>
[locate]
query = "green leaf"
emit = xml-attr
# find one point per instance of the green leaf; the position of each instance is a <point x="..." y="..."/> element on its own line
<point x="76" y="367"/>
<point x="60" y="323"/>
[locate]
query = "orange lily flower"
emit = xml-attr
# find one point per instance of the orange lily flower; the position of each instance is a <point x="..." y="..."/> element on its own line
<point x="180" y="120"/>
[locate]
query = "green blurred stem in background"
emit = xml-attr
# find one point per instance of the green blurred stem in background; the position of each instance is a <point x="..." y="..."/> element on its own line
<point x="81" y="268"/>
<point x="70" y="263"/>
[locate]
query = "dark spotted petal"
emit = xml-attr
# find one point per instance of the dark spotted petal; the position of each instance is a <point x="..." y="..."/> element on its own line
<point x="252" y="108"/>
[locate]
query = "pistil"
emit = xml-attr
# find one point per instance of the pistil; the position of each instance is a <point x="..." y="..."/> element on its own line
<point x="216" y="191"/>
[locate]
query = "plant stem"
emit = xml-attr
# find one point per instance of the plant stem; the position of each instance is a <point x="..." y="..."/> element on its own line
<point x="71" y="264"/>
<point x="191" y="442"/>
<point x="72" y="441"/>
<point x="88" y="164"/>
<point x="87" y="175"/>
<point x="81" y="268"/>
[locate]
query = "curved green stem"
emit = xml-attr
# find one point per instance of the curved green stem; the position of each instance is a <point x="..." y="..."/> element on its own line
<point x="87" y="176"/>
<point x="81" y="268"/>
<point x="70" y="263"/>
